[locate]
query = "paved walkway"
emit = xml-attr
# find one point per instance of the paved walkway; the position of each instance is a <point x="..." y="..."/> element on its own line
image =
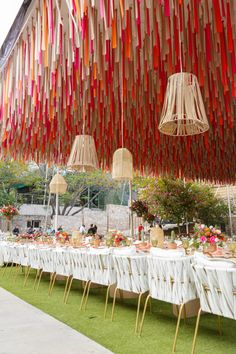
<point x="26" y="330"/>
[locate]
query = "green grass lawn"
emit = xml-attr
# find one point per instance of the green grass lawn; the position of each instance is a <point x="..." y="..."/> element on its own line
<point x="118" y="336"/>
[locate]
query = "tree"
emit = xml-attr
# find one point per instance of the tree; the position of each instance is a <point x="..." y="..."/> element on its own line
<point x="78" y="184"/>
<point x="180" y="201"/>
<point x="211" y="210"/>
<point x="13" y="174"/>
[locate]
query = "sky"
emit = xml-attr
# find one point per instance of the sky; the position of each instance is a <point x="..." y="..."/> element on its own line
<point x="9" y="9"/>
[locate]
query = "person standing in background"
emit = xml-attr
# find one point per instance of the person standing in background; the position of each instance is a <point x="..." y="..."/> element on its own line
<point x="82" y="229"/>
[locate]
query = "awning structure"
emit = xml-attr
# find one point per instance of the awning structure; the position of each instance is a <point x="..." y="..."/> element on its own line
<point x="75" y="57"/>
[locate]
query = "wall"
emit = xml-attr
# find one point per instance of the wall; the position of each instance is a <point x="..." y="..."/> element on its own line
<point x="114" y="217"/>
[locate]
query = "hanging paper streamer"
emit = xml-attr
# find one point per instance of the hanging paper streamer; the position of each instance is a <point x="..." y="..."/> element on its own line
<point x="69" y="59"/>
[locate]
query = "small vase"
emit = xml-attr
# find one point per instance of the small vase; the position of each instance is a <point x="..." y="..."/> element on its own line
<point x="172" y="245"/>
<point x="211" y="248"/>
<point x="96" y="243"/>
<point x="9" y="224"/>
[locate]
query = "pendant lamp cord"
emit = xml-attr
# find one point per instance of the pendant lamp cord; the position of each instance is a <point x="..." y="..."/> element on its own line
<point x="180" y="46"/>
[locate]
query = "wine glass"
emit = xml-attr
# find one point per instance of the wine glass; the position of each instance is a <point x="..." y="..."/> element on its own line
<point x="232" y="248"/>
<point x="185" y="244"/>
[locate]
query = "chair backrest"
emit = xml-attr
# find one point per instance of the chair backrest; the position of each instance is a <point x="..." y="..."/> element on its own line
<point x="79" y="265"/>
<point x="62" y="262"/>
<point x="47" y="260"/>
<point x="216" y="288"/>
<point x="23" y="255"/>
<point x="34" y="259"/>
<point x="101" y="267"/>
<point x="131" y="272"/>
<point x="7" y="253"/>
<point x="14" y="250"/>
<point x="171" y="280"/>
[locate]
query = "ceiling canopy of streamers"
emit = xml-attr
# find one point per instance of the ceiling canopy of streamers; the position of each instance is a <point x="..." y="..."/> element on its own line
<point x="80" y="59"/>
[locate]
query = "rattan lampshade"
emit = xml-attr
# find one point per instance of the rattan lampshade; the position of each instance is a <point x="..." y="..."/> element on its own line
<point x="58" y="185"/>
<point x="183" y="111"/>
<point x="122" y="167"/>
<point x="83" y="156"/>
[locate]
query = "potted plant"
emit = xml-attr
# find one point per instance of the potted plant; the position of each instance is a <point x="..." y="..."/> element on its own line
<point x="172" y="244"/>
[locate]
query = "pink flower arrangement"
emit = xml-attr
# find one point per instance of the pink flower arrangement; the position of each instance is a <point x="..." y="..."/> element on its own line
<point x="204" y="235"/>
<point x="9" y="211"/>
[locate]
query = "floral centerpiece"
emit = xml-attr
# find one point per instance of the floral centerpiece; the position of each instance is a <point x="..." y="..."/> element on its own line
<point x="62" y="236"/>
<point x="9" y="211"/>
<point x="115" y="238"/>
<point x="208" y="237"/>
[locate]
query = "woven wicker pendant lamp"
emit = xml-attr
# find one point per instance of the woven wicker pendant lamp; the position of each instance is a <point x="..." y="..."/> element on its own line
<point x="183" y="112"/>
<point x="122" y="166"/>
<point x="83" y="156"/>
<point x="58" y="185"/>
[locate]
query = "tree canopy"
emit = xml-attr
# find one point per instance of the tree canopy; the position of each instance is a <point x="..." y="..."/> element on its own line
<point x="181" y="201"/>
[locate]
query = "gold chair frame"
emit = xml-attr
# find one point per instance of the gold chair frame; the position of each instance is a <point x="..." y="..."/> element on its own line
<point x="140" y="296"/>
<point x="206" y="289"/>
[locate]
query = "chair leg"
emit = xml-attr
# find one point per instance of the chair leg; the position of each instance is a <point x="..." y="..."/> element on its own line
<point x="18" y="267"/>
<point x="11" y="269"/>
<point x="138" y="310"/>
<point x="177" y="328"/>
<point x="50" y="282"/>
<point x="106" y="302"/>
<point x="196" y="331"/>
<point x="53" y="283"/>
<point x="36" y="277"/>
<point x="66" y="286"/>
<point x="83" y="296"/>
<point x="113" y="304"/>
<point x="87" y="295"/>
<point x="5" y="268"/>
<point x="143" y="316"/>
<point x="27" y="275"/>
<point x="68" y="291"/>
<point x="40" y="276"/>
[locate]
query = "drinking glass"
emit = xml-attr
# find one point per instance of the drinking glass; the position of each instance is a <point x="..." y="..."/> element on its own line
<point x="232" y="247"/>
<point x="185" y="244"/>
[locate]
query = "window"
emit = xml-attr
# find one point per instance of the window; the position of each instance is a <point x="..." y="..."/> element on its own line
<point x="33" y="223"/>
<point x="36" y="223"/>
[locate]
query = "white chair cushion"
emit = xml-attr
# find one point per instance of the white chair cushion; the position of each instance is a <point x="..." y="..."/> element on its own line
<point x="213" y="262"/>
<point x="99" y="250"/>
<point x="159" y="252"/>
<point x="124" y="251"/>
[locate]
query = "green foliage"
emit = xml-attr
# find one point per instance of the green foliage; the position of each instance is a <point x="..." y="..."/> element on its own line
<point x="178" y="201"/>
<point x="211" y="210"/>
<point x="12" y="173"/>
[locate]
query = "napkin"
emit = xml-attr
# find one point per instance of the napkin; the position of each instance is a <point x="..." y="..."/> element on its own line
<point x="124" y="251"/>
<point x="159" y="252"/>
